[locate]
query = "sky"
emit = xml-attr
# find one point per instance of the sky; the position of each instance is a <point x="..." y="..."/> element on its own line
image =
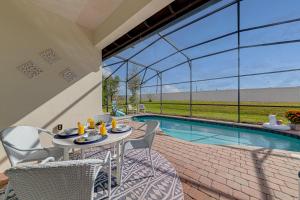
<point x="252" y="60"/>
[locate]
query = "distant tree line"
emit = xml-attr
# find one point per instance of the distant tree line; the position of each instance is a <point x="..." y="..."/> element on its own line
<point x="111" y="87"/>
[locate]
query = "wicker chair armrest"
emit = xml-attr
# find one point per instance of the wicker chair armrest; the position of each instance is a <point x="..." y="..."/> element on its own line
<point x="59" y="164"/>
<point x="139" y="128"/>
<point x="49" y="159"/>
<point x="45" y="131"/>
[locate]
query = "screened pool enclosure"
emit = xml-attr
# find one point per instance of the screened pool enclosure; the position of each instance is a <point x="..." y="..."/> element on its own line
<point x="227" y="60"/>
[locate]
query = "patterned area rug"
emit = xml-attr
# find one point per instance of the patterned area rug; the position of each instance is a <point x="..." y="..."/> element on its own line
<point x="138" y="182"/>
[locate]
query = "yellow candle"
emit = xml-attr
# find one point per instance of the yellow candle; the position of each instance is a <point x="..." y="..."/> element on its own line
<point x="100" y="129"/>
<point x="91" y="123"/>
<point x="81" y="130"/>
<point x="114" y="123"/>
<point x="103" y="129"/>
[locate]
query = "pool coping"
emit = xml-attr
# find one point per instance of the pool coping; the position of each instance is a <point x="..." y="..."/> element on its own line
<point x="292" y="134"/>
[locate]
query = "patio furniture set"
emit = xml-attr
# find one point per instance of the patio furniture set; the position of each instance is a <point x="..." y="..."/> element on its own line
<point x="132" y="110"/>
<point x="48" y="173"/>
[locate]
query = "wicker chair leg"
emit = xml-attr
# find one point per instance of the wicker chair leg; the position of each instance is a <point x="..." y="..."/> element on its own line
<point x="153" y="172"/>
<point x="147" y="155"/>
<point x="109" y="179"/>
<point x="82" y="154"/>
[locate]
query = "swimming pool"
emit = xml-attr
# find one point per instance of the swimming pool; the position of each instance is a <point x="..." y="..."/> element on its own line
<point x="211" y="133"/>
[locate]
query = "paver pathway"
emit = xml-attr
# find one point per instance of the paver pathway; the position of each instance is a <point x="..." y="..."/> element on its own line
<point x="223" y="172"/>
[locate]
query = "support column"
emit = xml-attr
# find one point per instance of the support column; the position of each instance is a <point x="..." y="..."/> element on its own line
<point x="191" y="88"/>
<point x="107" y="98"/>
<point x="140" y="94"/>
<point x="239" y="44"/>
<point x="126" y="94"/>
<point x="160" y="78"/>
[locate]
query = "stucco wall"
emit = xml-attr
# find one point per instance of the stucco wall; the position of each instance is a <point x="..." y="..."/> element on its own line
<point x="49" y="98"/>
<point x="291" y="94"/>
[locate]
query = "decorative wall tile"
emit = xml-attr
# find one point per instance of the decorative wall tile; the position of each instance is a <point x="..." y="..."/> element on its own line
<point x="29" y="69"/>
<point x="68" y="75"/>
<point x="49" y="56"/>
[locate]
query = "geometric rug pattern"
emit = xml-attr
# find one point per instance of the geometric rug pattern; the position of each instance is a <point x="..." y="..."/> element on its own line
<point x="138" y="182"/>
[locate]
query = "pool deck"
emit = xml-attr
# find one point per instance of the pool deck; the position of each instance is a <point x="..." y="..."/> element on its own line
<point x="229" y="172"/>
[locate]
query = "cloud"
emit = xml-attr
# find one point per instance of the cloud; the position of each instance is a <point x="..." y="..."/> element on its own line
<point x="170" y="89"/>
<point x="106" y="71"/>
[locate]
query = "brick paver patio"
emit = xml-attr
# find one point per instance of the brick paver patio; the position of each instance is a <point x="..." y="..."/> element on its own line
<point x="223" y="172"/>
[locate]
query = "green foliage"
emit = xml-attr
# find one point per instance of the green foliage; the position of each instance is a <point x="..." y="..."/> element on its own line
<point x="134" y="85"/>
<point x="149" y="97"/>
<point x="110" y="88"/>
<point x="293" y="116"/>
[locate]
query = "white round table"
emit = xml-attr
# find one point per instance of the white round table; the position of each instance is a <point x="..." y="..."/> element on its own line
<point x="112" y="138"/>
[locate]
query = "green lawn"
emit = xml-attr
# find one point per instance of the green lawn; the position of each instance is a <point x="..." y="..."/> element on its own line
<point x="225" y="112"/>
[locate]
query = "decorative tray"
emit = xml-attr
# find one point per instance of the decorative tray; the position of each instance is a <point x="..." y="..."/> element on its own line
<point x="121" y="128"/>
<point x="89" y="139"/>
<point x="71" y="132"/>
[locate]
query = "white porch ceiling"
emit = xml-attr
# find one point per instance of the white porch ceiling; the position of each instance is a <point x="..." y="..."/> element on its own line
<point x="86" y="13"/>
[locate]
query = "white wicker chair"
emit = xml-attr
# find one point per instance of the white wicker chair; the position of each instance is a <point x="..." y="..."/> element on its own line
<point x="142" y="108"/>
<point x="131" y="109"/>
<point x="22" y="144"/>
<point x="58" y="180"/>
<point x="143" y="143"/>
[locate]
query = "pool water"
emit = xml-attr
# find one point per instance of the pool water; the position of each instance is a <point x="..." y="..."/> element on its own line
<point x="208" y="133"/>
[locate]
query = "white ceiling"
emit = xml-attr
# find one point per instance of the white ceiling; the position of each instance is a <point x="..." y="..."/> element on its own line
<point x="87" y="13"/>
